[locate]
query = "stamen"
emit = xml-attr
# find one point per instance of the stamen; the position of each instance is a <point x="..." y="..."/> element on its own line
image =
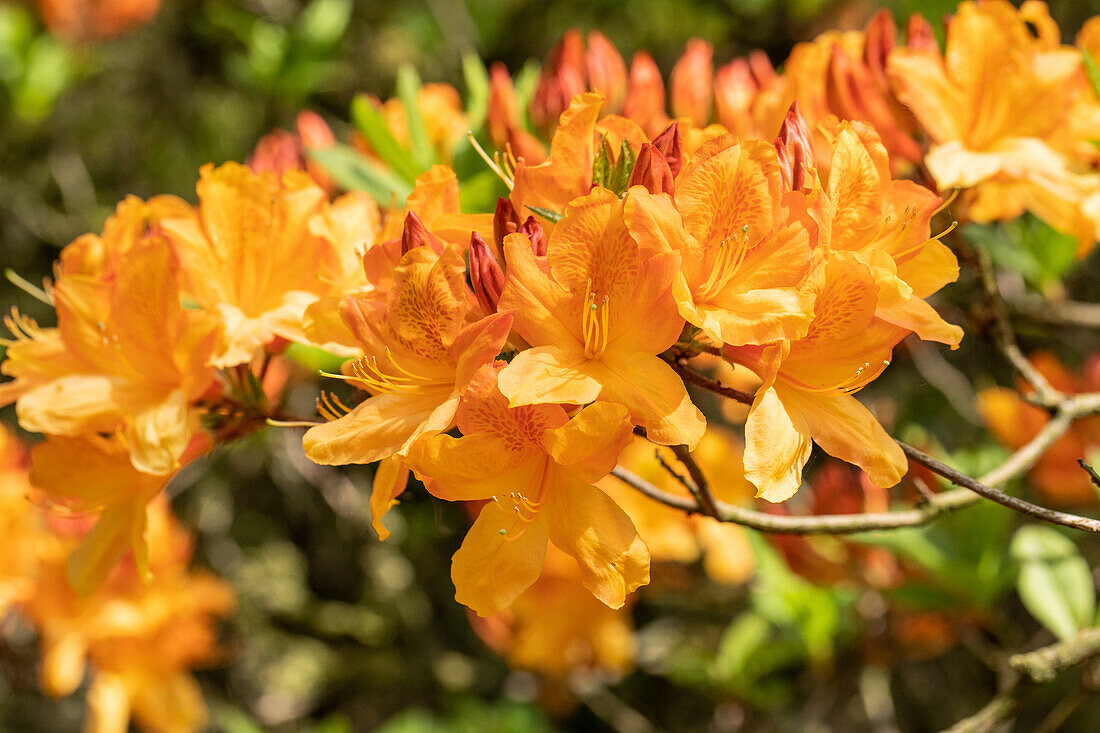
<point x="595" y="322"/>
<point x="330" y="407"/>
<point x="491" y="162"/>
<point x="292" y="423"/>
<point x="947" y="201"/>
<point x="28" y="287"/>
<point x="731" y="255"/>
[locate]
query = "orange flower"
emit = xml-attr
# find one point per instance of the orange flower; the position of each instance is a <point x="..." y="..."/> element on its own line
<point x="597" y="311"/>
<point x="556" y="626"/>
<point x="420" y="352"/>
<point x="996" y="106"/>
<point x="244" y="223"/>
<point x="884" y="224"/>
<point x="744" y="245"/>
<point x="80" y="20"/>
<point x="808" y="386"/>
<point x="538" y="467"/>
<point x="139" y="636"/>
<point x="124" y="357"/>
<point x="441" y="109"/>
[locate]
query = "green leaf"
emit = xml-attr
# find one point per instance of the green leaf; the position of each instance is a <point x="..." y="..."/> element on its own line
<point x="619" y="177"/>
<point x="1092" y="71"/>
<point x="48" y="73"/>
<point x="369" y="121"/>
<point x="1054" y="582"/>
<point x="525" y="83"/>
<point x="353" y="172"/>
<point x="601" y="166"/>
<point x="408" y="88"/>
<point x="551" y="216"/>
<point x="480" y="191"/>
<point x="476" y="77"/>
<point x="323" y="22"/>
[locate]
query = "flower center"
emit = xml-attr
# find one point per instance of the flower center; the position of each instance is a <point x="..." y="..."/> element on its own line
<point x="595" y="320"/>
<point x="726" y="260"/>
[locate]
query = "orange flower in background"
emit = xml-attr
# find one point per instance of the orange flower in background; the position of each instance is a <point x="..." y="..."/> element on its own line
<point x="124" y="357"/>
<point x="672" y="535"/>
<point x="87" y="20"/>
<point x="537" y="465"/>
<point x="139" y="636"/>
<point x="444" y="120"/>
<point x="808" y="386"/>
<point x="692" y="83"/>
<point x="996" y="105"/>
<point x="556" y="626"/>
<point x="597" y="311"/>
<point x="1056" y="475"/>
<point x="744" y="246"/>
<point x="244" y="223"/>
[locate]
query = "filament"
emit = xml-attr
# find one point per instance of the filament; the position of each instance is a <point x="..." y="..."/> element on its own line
<point x="28" y="287"/>
<point x="731" y="255"/>
<point x="595" y="322"/>
<point x="330" y="407"/>
<point x="491" y="162"/>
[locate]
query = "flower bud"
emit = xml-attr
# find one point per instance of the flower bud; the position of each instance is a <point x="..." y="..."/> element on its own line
<point x="315" y="134"/>
<point x="503" y="105"/>
<point x="671" y="146"/>
<point x="486" y="277"/>
<point x="505" y="221"/>
<point x="919" y="34"/>
<point x="563" y="77"/>
<point x="533" y="230"/>
<point x="415" y="234"/>
<point x="762" y="70"/>
<point x="645" y="94"/>
<point x="606" y="71"/>
<point x="652" y="171"/>
<point x="735" y="89"/>
<point x="795" y="148"/>
<point x="879" y="40"/>
<point x="278" y="151"/>
<point x="691" y="82"/>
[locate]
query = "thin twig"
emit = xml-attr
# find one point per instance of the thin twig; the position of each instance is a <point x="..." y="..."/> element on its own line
<point x="1043" y="665"/>
<point x="679" y="365"/>
<point x="1005" y="337"/>
<point x="1085" y="524"/>
<point x="699" y="486"/>
<point x="1093" y="476"/>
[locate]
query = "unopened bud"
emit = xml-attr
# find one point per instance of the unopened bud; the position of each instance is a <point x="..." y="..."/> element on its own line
<point x="414" y="234"/>
<point x="692" y="82"/>
<point x="278" y="151"/>
<point x="671" y="145"/>
<point x="652" y="171"/>
<point x="315" y="134"/>
<point x="606" y="71"/>
<point x="503" y="113"/>
<point x="505" y="221"/>
<point x="735" y="89"/>
<point x="763" y="72"/>
<point x="486" y="277"/>
<point x="879" y="40"/>
<point x="645" y="94"/>
<point x="795" y="148"/>
<point x="533" y="230"/>
<point x="919" y="34"/>
<point x="563" y="77"/>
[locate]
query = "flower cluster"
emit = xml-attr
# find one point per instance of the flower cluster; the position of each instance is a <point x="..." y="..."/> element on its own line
<point x="511" y="356"/>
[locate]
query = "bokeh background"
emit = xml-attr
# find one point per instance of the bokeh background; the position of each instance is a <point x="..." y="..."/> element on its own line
<point x="337" y="631"/>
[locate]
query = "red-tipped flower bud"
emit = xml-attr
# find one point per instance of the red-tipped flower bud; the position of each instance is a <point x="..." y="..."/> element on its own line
<point x="606" y="71"/>
<point x="795" y="148"/>
<point x="414" y="234"/>
<point x="763" y="72"/>
<point x="533" y="230"/>
<point x="671" y="145"/>
<point x="505" y="221"/>
<point x="652" y="171"/>
<point x="563" y="77"/>
<point x="645" y="94"/>
<point x="691" y="82"/>
<point x="315" y="134"/>
<point x="486" y="277"/>
<point x="735" y="89"/>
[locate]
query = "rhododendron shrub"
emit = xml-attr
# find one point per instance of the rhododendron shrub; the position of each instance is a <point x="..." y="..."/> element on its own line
<point x="615" y="337"/>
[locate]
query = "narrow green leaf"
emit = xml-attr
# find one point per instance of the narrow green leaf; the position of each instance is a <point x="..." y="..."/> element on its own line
<point x="619" y="177"/>
<point x="354" y="172"/>
<point x="476" y="77"/>
<point x="525" y="83"/>
<point x="370" y="122"/>
<point x="601" y="166"/>
<point x="1092" y="71"/>
<point x="1054" y="582"/>
<point x="408" y="88"/>
<point x="547" y="214"/>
